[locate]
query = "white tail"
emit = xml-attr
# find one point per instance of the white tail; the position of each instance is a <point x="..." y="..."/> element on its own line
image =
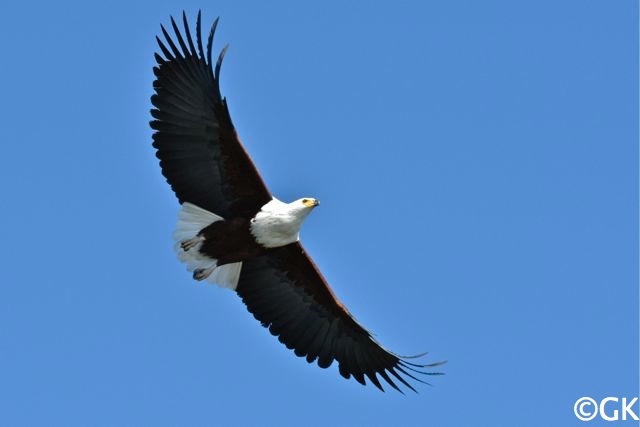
<point x="192" y="219"/>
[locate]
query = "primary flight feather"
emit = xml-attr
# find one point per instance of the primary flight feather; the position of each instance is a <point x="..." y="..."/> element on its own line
<point x="232" y="232"/>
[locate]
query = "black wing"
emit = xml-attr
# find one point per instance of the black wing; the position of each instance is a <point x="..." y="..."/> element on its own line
<point x="285" y="291"/>
<point x="199" y="151"/>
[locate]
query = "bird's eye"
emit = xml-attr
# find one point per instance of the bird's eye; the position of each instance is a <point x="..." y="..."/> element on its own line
<point x="305" y="201"/>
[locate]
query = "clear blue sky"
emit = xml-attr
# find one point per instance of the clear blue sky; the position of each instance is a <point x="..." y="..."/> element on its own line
<point x="477" y="164"/>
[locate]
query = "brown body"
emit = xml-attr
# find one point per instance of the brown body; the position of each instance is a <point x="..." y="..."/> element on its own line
<point x="230" y="241"/>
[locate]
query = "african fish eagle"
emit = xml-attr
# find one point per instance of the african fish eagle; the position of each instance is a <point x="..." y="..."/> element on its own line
<point x="232" y="232"/>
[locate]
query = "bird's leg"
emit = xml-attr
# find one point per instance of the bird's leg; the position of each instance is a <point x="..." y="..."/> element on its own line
<point x="191" y="243"/>
<point x="200" y="274"/>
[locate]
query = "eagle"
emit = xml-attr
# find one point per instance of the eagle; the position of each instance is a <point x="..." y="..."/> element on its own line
<point x="231" y="231"/>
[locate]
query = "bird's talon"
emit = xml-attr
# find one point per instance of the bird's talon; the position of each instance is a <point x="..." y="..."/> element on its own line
<point x="200" y="274"/>
<point x="190" y="243"/>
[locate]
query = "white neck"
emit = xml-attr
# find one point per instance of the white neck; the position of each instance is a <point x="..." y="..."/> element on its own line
<point x="278" y="223"/>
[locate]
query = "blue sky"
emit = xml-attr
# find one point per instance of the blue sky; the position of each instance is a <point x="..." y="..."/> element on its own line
<point x="477" y="164"/>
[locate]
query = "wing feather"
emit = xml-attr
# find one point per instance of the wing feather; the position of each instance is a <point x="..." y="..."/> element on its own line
<point x="200" y="153"/>
<point x="284" y="290"/>
<point x="176" y="31"/>
<point x="185" y="23"/>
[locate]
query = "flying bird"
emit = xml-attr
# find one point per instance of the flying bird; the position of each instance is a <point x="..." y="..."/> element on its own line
<point x="233" y="232"/>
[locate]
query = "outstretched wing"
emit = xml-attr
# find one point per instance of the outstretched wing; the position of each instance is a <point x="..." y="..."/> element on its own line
<point x="199" y="151"/>
<point x="285" y="291"/>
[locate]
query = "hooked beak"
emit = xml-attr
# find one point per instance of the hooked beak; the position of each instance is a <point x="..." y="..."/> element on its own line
<point x="310" y="203"/>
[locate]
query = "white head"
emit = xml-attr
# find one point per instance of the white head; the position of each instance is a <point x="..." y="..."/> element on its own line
<point x="307" y="203"/>
<point x="301" y="208"/>
<point x="278" y="223"/>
